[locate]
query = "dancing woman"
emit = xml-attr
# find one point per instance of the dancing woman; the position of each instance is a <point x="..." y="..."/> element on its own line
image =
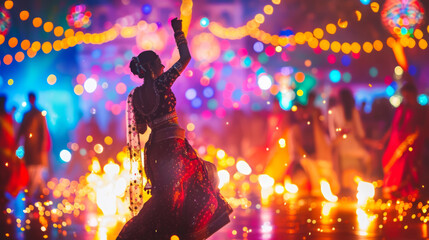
<point x="185" y="199"/>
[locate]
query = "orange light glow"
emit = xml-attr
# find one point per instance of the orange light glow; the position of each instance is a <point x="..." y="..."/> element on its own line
<point x="8" y="4"/>
<point x="48" y="26"/>
<point x="37" y="22"/>
<point x="19" y="56"/>
<point x="7" y="59"/>
<point x="13" y="42"/>
<point x="24" y="15"/>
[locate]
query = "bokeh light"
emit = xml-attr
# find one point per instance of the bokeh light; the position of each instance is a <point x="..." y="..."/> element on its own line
<point x="190" y="94"/>
<point x="90" y="85"/>
<point x="335" y="76"/>
<point x="65" y="155"/>
<point x="423" y="99"/>
<point x="264" y="82"/>
<point x="204" y="22"/>
<point x="52" y="79"/>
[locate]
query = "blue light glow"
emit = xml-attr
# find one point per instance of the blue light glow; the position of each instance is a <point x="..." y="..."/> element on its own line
<point x="347" y="77"/>
<point x="220" y="85"/>
<point x="96" y="54"/>
<point x="390" y="91"/>
<point x="227" y="71"/>
<point x="412" y="70"/>
<point x="190" y="94"/>
<point x="228" y="55"/>
<point x="20" y="152"/>
<point x="246" y="62"/>
<point x="208" y="92"/>
<point x="423" y="99"/>
<point x="204" y="22"/>
<point x="365" y="2"/>
<point x="263" y="58"/>
<point x="335" y="76"/>
<point x="346" y="60"/>
<point x="258" y="47"/>
<point x="373" y="72"/>
<point x="236" y="95"/>
<point x="146" y="9"/>
<point x="209" y="73"/>
<point x="212" y="104"/>
<point x="196" y="103"/>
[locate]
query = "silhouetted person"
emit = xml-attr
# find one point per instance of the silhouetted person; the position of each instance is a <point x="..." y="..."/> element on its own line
<point x="347" y="133"/>
<point x="185" y="197"/>
<point x="36" y="146"/>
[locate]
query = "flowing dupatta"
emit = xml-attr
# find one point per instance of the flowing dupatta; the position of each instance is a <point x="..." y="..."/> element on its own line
<point x="134" y="150"/>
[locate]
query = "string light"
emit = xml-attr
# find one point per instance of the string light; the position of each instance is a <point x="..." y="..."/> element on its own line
<point x="251" y="28"/>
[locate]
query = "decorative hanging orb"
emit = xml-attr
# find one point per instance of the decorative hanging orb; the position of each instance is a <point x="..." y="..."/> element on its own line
<point x="402" y="17"/>
<point x="205" y="47"/>
<point x="4" y="22"/>
<point x="78" y="17"/>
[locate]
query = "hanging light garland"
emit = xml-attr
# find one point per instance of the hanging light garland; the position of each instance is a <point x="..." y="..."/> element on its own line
<point x="313" y="38"/>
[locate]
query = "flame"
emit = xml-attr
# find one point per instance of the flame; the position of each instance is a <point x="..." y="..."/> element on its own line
<point x="106" y="199"/>
<point x="364" y="220"/>
<point x="326" y="208"/>
<point x="366" y="191"/>
<point x="111" y="169"/>
<point x="95" y="165"/>
<point x="279" y="189"/>
<point x="326" y="191"/>
<point x="290" y="187"/>
<point x="265" y="181"/>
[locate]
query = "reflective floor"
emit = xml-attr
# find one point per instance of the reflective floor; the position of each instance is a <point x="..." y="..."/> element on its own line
<point x="305" y="218"/>
<point x="315" y="219"/>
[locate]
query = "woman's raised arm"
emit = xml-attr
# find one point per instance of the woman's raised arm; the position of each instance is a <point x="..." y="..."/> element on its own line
<point x="182" y="45"/>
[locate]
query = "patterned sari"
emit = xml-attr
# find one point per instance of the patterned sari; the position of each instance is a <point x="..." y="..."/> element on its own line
<point x="185" y="199"/>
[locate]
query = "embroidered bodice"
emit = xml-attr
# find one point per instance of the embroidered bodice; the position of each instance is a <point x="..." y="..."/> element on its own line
<point x="164" y="102"/>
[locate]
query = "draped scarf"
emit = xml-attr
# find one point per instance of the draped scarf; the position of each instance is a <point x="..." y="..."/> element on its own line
<point x="135" y="155"/>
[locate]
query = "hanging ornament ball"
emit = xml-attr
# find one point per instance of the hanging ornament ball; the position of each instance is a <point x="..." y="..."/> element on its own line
<point x="4" y="21"/>
<point x="78" y="17"/>
<point x="402" y="17"/>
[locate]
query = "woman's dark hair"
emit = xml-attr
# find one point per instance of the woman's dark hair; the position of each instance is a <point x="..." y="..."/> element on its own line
<point x="143" y="63"/>
<point x="348" y="101"/>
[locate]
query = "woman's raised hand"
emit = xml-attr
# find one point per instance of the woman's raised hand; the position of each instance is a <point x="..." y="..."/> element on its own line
<point x="176" y="24"/>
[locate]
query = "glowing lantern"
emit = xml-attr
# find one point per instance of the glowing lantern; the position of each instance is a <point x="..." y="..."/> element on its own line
<point x="205" y="47"/>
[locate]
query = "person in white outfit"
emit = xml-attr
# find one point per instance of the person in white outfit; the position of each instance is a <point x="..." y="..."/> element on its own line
<point x="347" y="133"/>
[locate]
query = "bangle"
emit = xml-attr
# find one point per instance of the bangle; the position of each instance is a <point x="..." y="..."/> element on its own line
<point x="181" y="40"/>
<point x="180" y="32"/>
